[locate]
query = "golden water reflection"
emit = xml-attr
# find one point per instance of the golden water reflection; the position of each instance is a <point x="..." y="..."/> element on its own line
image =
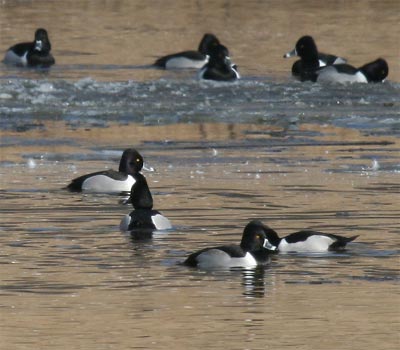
<point x="70" y="279"/>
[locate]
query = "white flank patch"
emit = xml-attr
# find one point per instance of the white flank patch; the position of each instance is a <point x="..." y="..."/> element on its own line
<point x="183" y="62"/>
<point x="105" y="184"/>
<point x="124" y="224"/>
<point x="161" y="222"/>
<point x="236" y="72"/>
<point x="200" y="75"/>
<point x="11" y="58"/>
<point x="339" y="60"/>
<point x="331" y="75"/>
<point x="213" y="258"/>
<point x="316" y="244"/>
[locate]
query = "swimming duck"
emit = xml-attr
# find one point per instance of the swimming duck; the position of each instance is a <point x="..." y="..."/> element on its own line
<point x="252" y="251"/>
<point x="219" y="66"/>
<point x="373" y="72"/>
<point x="307" y="241"/>
<point x="310" y="59"/>
<point x="33" y="54"/>
<point x="143" y="216"/>
<point x="189" y="59"/>
<point x="111" y="181"/>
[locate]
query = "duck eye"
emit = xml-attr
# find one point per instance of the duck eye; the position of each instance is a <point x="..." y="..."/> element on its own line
<point x="137" y="160"/>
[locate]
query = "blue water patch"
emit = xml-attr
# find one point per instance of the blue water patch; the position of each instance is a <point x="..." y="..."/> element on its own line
<point x="25" y="103"/>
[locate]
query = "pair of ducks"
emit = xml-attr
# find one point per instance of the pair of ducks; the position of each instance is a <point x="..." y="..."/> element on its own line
<point x="212" y="58"/>
<point x="317" y="66"/>
<point x="258" y="240"/>
<point x="127" y="179"/>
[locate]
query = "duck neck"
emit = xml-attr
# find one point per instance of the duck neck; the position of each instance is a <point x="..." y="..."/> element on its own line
<point x="140" y="194"/>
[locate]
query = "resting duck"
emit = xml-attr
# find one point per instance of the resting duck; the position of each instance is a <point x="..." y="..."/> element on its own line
<point x="33" y="54"/>
<point x="143" y="216"/>
<point x="219" y="67"/>
<point x="310" y="59"/>
<point x="111" y="181"/>
<point x="189" y="59"/>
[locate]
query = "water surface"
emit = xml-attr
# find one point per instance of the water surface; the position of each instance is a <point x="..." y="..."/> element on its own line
<point x="293" y="155"/>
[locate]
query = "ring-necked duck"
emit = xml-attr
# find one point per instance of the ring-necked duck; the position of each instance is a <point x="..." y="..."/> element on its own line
<point x="189" y="59"/>
<point x="307" y="241"/>
<point x="310" y="59"/>
<point x="252" y="251"/>
<point x="111" y="181"/>
<point x="143" y="217"/>
<point x="373" y="72"/>
<point x="219" y="67"/>
<point x="33" y="54"/>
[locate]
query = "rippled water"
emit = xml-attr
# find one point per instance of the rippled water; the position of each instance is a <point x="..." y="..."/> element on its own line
<point x="181" y="101"/>
<point x="293" y="155"/>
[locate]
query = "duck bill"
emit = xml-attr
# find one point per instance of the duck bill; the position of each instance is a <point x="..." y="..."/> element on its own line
<point x="290" y="53"/>
<point x="268" y="245"/>
<point x="148" y="168"/>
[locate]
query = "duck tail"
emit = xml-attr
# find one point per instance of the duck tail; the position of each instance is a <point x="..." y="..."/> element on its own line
<point x="341" y="242"/>
<point x="350" y="239"/>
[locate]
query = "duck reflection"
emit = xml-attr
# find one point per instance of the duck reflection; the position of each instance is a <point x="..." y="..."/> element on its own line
<point x="141" y="235"/>
<point x="253" y="281"/>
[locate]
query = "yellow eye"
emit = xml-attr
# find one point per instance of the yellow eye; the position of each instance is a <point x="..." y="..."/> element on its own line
<point x="137" y="160"/>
